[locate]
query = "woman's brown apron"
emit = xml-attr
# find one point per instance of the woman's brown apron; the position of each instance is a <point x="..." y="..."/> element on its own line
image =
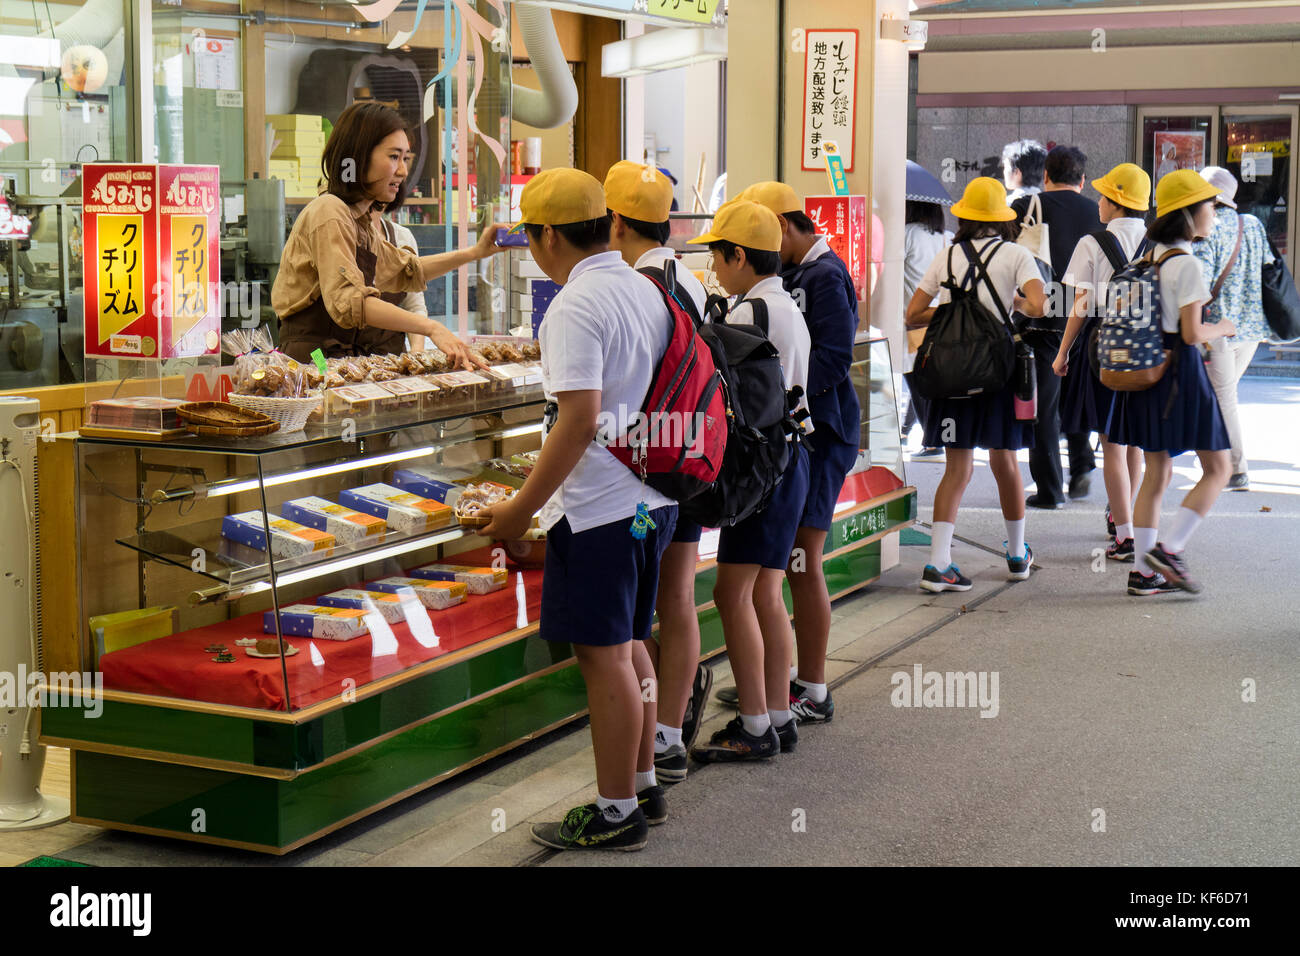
<point x="312" y="328"/>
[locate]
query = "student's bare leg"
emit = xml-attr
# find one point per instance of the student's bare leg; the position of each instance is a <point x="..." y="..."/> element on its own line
<point x="812" y="604"/>
<point x="778" y="639"/>
<point x="959" y="464"/>
<point x="1216" y="469"/>
<point x="652" y="646"/>
<point x="649" y="687"/>
<point x="1117" y="470"/>
<point x="1011" y="487"/>
<point x="1151" y="493"/>
<point x="614" y="699"/>
<point x="679" y="631"/>
<point x="734" y="595"/>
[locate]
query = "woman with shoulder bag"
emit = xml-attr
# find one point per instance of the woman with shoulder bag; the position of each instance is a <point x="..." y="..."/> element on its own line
<point x="987" y="420"/>
<point x="1179" y="412"/>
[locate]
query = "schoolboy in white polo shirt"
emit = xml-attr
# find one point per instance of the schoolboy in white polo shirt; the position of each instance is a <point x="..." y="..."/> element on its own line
<point x="601" y="339"/>
<point x="639" y="199"/>
<point x="753" y="555"/>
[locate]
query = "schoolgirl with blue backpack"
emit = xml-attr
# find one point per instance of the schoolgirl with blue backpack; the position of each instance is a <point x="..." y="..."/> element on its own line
<point x="1164" y="404"/>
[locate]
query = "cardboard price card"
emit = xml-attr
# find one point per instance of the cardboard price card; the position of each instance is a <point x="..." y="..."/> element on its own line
<point x="189" y="263"/>
<point x="121" y="234"/>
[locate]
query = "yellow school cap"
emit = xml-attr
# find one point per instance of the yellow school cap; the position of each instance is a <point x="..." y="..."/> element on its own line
<point x="985" y="200"/>
<point x="556" y="197"/>
<point x="777" y="197"/>
<point x="638" y="191"/>
<point x="1126" y="185"/>
<point x="746" y="224"/>
<point x="1180" y="189"/>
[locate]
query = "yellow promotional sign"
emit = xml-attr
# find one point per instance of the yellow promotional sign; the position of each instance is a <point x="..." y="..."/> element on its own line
<point x="121" y="268"/>
<point x="189" y="272"/>
<point x="691" y="11"/>
<point x="1276" y="147"/>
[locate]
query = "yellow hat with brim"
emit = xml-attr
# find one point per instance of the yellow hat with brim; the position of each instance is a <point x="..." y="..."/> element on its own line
<point x="746" y="224"/>
<point x="638" y="192"/>
<point x="1180" y="189"/>
<point x="1126" y="185"/>
<point x="777" y="197"/>
<point x="985" y="200"/>
<point x="557" y="197"/>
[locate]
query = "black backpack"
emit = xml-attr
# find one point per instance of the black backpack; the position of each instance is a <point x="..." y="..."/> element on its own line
<point x="967" y="350"/>
<point x="760" y="418"/>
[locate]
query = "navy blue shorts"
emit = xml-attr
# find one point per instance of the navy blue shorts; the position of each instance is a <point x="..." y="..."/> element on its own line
<point x="829" y="460"/>
<point x="687" y="531"/>
<point x="767" y="538"/>
<point x="599" y="585"/>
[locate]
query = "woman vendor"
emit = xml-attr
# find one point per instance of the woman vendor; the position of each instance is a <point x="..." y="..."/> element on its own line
<point x="340" y="281"/>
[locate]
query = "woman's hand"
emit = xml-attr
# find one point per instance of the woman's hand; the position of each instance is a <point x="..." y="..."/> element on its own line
<point x="450" y="345"/>
<point x="1061" y="365"/>
<point x="1227" y="328"/>
<point x="487" y="241"/>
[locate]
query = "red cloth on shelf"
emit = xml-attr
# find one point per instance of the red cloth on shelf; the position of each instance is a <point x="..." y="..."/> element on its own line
<point x="177" y="666"/>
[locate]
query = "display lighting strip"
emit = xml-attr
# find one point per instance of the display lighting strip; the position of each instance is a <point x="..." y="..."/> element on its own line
<point x="521" y="430"/>
<point x="251" y="484"/>
<point x="353" y="560"/>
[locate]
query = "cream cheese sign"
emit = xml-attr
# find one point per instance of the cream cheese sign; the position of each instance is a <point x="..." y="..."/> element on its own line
<point x="829" y="108"/>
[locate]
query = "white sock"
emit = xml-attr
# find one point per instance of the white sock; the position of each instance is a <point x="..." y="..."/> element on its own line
<point x="1144" y="539"/>
<point x="1181" y="528"/>
<point x="756" y="726"/>
<point x="794" y="671"/>
<point x="1015" y="537"/>
<point x="1123" y="532"/>
<point x="779" y="718"/>
<point x="941" y="544"/>
<point x="644" y="780"/>
<point x="816" y="692"/>
<point x="666" y="736"/>
<point x="616" y="811"/>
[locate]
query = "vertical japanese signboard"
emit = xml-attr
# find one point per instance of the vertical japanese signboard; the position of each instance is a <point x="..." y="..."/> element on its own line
<point x="152" y="260"/>
<point x="121" y="230"/>
<point x="189" y="234"/>
<point x="843" y="221"/>
<point x="829" y="107"/>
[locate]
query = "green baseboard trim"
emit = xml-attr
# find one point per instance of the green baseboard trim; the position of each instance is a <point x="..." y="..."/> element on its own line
<point x="912" y="536"/>
<point x="52" y="861"/>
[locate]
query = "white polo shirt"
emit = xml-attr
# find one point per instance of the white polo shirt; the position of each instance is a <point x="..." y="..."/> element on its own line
<point x="786" y="329"/>
<point x="606" y="329"/>
<point x="693" y="287"/>
<point x="1012" y="266"/>
<point x="819" y="249"/>
<point x="1182" y="282"/>
<point x="1089" y="268"/>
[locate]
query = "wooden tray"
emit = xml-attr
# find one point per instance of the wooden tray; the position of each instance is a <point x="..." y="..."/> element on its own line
<point x="131" y="434"/>
<point x="472" y="521"/>
<point x="225" y="420"/>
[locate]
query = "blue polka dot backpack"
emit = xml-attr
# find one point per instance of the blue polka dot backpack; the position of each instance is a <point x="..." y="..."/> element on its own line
<point x="1131" y="353"/>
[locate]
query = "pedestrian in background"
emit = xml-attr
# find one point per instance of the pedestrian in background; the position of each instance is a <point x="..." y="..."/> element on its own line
<point x="1180" y="412"/>
<point x="1022" y="168"/>
<point x="1239" y="300"/>
<point x="923" y="239"/>
<point x="987" y="420"/>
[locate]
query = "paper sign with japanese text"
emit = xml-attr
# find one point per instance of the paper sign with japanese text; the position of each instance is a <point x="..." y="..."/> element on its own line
<point x="843" y="221"/>
<point x="120" y="203"/>
<point x="189" y="233"/>
<point x="829" y="101"/>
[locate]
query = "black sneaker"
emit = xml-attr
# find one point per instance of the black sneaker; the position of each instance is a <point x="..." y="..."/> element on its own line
<point x="929" y="452"/>
<point x="1080" y="485"/>
<point x="654" y="804"/>
<point x="728" y="697"/>
<point x="1121" y="551"/>
<point x="695" y="705"/>
<point x="1018" y="568"/>
<point x="1173" y="568"/>
<point x="1037" y="500"/>
<point x="809" y="711"/>
<point x="670" y="766"/>
<point x="949" y="579"/>
<point x="586" y="828"/>
<point x="1110" y="524"/>
<point x="732" y="743"/>
<point x="788" y="736"/>
<point x="1144" y="585"/>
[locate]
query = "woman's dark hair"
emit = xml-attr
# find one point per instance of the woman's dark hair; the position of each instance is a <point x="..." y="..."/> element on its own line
<point x="928" y="214"/>
<point x="969" y="229"/>
<point x="654" y="231"/>
<point x="764" y="261"/>
<point x="1125" y="210"/>
<point x="584" y="236"/>
<point x="1175" y="226"/>
<point x="1066" y="165"/>
<point x="359" y="130"/>
<point x="1028" y="156"/>
<point x="800" y="221"/>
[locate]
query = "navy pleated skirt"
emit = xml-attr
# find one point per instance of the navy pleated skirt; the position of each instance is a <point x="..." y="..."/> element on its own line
<point x="1194" y="422"/>
<point x="1085" y="402"/>
<point x="984" y="421"/>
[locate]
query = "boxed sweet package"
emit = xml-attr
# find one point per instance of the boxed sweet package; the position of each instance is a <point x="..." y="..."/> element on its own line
<point x="478" y="580"/>
<point x="311" y="620"/>
<point x="348" y="527"/>
<point x="404" y="511"/>
<point x="389" y="604"/>
<point x="438" y="595"/>
<point x="289" y="539"/>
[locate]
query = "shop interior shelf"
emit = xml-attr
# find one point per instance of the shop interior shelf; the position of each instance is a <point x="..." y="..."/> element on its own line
<point x="238" y="567"/>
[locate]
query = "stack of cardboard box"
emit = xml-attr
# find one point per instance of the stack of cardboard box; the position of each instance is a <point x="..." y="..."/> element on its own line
<point x="299" y="141"/>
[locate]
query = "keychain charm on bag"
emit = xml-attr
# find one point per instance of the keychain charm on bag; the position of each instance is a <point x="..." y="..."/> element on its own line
<point x="642" y="521"/>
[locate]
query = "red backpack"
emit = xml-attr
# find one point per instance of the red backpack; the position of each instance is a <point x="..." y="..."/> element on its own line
<point x="675" y="445"/>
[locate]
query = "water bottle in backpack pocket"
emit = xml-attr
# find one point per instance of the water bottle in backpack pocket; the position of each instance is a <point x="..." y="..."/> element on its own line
<point x="1131" y="355"/>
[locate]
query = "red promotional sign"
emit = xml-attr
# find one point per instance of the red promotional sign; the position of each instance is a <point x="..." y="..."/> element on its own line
<point x="152" y="247"/>
<point x="843" y="221"/>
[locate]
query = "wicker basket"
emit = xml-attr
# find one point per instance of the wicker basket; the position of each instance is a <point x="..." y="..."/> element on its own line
<point x="291" y="413"/>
